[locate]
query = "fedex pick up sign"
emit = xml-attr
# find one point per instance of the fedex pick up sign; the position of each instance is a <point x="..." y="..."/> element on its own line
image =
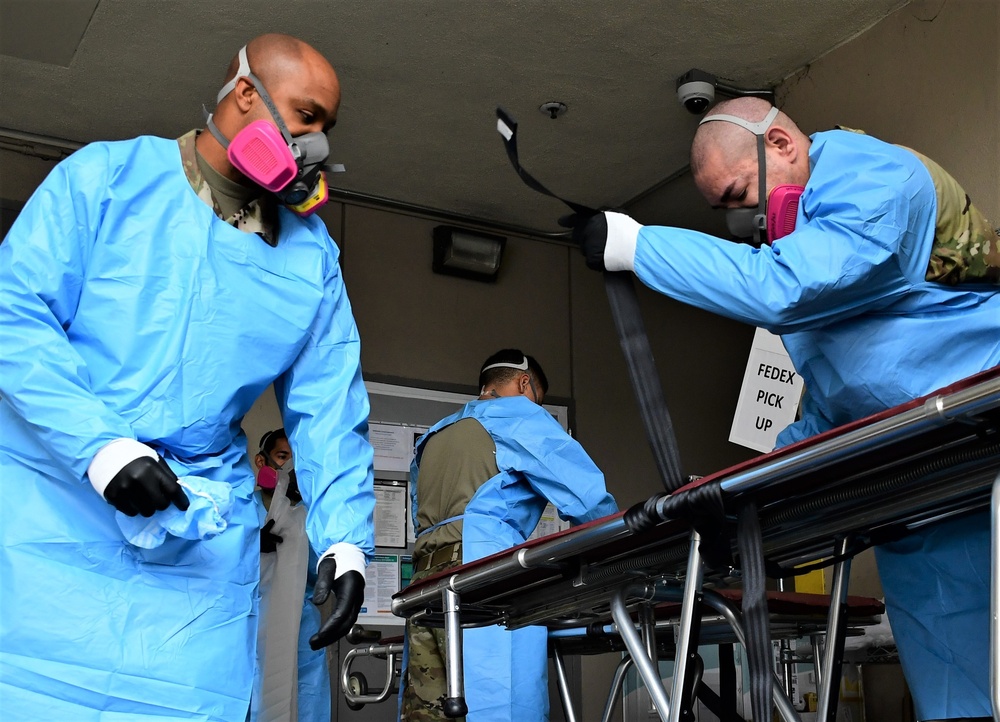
<point x="770" y="394"/>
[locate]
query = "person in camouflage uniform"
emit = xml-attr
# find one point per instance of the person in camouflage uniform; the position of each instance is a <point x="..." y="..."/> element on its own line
<point x="887" y="289"/>
<point x="149" y="293"/>
<point x="479" y="483"/>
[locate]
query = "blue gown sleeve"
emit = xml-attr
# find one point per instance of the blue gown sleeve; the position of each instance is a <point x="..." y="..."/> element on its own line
<point x="557" y="467"/>
<point x="862" y="240"/>
<point x="324" y="406"/>
<point x="813" y="421"/>
<point x="43" y="268"/>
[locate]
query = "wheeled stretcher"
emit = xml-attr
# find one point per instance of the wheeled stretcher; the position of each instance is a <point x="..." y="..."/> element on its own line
<point x="819" y="501"/>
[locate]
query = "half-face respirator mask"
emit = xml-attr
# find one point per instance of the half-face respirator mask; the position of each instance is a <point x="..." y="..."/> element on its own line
<point x="292" y="168"/>
<point x="270" y="475"/>
<point x="774" y="216"/>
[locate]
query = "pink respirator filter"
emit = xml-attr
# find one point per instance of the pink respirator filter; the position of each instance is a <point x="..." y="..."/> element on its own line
<point x="782" y="208"/>
<point x="260" y="153"/>
<point x="267" y="478"/>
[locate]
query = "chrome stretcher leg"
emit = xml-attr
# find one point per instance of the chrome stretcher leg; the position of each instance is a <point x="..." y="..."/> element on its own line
<point x="816" y="642"/>
<point x="616" y="687"/>
<point x="647" y="670"/>
<point x="563" y="683"/>
<point x="995" y="599"/>
<point x="722" y="605"/>
<point x="833" y="655"/>
<point x="454" y="704"/>
<point x="690" y="616"/>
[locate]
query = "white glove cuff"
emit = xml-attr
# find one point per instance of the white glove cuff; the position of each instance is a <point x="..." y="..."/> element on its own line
<point x="623" y="233"/>
<point x="349" y="558"/>
<point x="112" y="458"/>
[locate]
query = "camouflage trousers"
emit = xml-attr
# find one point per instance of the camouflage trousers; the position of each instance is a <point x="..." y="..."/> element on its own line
<point x="426" y="679"/>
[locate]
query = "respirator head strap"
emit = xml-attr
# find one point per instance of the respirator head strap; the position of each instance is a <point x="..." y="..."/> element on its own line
<point x="244" y="72"/>
<point x="760" y="220"/>
<point x="214" y="129"/>
<point x="758" y="129"/>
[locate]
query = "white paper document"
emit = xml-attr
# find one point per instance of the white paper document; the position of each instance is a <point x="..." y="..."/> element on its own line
<point x="393" y="445"/>
<point x="390" y="513"/>
<point x="381" y="582"/>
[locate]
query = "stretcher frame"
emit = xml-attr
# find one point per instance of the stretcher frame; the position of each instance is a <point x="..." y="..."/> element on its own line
<point x="825" y="498"/>
<point x="793" y="616"/>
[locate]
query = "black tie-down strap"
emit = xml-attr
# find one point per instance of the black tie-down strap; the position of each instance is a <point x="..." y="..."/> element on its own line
<point x="507" y="128"/>
<point x="756" y="621"/>
<point x="703" y="507"/>
<point x="631" y="333"/>
<point x="645" y="380"/>
<point x="700" y="506"/>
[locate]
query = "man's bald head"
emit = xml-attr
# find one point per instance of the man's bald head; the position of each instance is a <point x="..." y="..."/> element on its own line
<point x="274" y="56"/>
<point x="724" y="155"/>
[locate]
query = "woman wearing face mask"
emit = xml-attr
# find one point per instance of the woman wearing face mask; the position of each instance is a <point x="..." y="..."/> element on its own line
<point x="292" y="681"/>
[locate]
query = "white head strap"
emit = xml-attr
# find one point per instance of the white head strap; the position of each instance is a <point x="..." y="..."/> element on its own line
<point x="523" y="366"/>
<point x="758" y="128"/>
<point x="242" y="72"/>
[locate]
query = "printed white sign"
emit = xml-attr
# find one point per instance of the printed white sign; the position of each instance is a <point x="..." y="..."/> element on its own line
<point x="393" y="444"/>
<point x="381" y="582"/>
<point x="390" y="513"/>
<point x="770" y="394"/>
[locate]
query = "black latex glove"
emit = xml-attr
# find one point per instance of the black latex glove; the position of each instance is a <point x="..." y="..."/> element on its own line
<point x="590" y="233"/>
<point x="269" y="541"/>
<point x="144" y="486"/>
<point x="349" y="594"/>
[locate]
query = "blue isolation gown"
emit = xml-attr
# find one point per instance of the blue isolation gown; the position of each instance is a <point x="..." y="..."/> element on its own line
<point x="314" y="694"/>
<point x="128" y="309"/>
<point x="847" y="294"/>
<point x="505" y="672"/>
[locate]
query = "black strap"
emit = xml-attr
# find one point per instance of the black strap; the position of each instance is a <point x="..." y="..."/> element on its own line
<point x="756" y="622"/>
<point x="716" y="704"/>
<point x="645" y="380"/>
<point x="727" y="686"/>
<point x="507" y="127"/>
<point x="631" y="334"/>
<point x="760" y="219"/>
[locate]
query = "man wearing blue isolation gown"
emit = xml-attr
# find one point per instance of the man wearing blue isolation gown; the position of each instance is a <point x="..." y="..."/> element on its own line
<point x="883" y="290"/>
<point x="479" y="483"/>
<point x="150" y="291"/>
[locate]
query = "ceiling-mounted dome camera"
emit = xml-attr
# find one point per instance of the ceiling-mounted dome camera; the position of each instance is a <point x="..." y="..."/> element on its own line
<point x="696" y="90"/>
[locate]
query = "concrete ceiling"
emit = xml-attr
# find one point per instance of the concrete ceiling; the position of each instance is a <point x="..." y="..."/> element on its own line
<point x="421" y="80"/>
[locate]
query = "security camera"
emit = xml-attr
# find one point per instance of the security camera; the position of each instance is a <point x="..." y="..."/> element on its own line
<point x="696" y="90"/>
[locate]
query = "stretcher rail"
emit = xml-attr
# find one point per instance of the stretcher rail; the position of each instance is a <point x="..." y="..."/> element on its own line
<point x="592" y="560"/>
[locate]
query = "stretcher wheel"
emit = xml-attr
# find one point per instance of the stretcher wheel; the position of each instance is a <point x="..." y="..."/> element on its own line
<point x="358" y="685"/>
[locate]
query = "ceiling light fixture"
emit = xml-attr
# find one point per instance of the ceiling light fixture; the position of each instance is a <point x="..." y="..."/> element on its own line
<point x="467" y="254"/>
